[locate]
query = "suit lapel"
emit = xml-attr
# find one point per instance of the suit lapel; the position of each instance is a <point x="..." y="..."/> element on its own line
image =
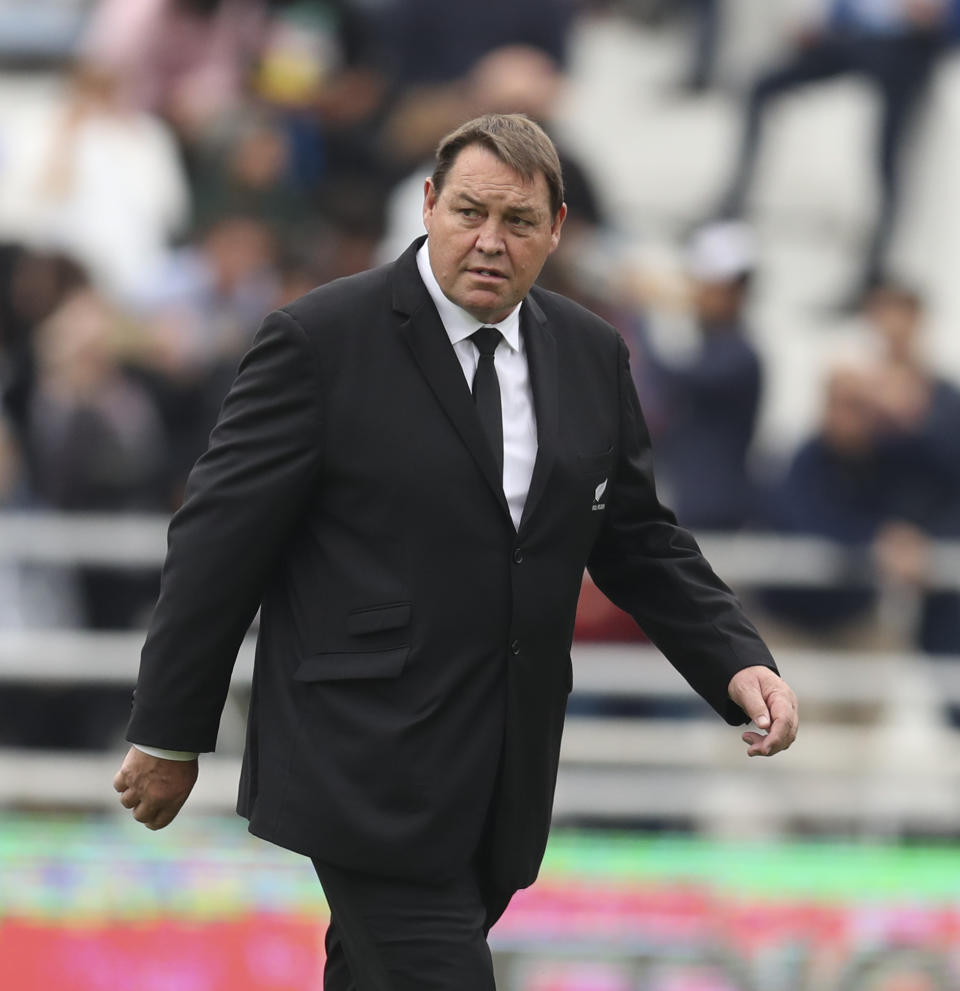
<point x="425" y="335"/>
<point x="541" y="349"/>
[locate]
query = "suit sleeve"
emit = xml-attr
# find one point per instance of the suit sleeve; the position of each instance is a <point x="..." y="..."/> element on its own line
<point x="243" y="498"/>
<point x="653" y="569"/>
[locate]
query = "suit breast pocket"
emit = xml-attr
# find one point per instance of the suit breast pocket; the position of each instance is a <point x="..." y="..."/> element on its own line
<point x="376" y="645"/>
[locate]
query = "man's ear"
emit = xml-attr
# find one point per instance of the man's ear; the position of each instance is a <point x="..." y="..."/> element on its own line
<point x="557" y="224"/>
<point x="429" y="202"/>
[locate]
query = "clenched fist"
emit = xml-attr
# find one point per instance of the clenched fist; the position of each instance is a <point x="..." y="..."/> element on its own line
<point x="154" y="788"/>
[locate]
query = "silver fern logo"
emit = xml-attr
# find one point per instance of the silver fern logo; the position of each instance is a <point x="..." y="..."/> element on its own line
<point x="598" y="495"/>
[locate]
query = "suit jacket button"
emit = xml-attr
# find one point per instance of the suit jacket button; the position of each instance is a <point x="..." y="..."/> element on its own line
<point x="517" y="556"/>
<point x="515" y="647"/>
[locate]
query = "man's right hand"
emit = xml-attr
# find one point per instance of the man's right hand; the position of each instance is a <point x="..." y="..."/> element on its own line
<point x="154" y="788"/>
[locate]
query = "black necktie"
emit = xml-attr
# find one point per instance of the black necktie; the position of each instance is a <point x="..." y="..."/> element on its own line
<point x="486" y="389"/>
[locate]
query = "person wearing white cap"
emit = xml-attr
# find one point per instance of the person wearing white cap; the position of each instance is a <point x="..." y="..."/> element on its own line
<point x="709" y="397"/>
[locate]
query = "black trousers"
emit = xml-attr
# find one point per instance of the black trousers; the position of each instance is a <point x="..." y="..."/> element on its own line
<point x="392" y="935"/>
<point x="899" y="68"/>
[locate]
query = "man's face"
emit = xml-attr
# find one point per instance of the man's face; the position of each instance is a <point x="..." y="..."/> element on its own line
<point x="718" y="302"/>
<point x="490" y="233"/>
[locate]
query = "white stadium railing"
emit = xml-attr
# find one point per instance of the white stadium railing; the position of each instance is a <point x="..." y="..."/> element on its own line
<point x="875" y="752"/>
<point x="743" y="559"/>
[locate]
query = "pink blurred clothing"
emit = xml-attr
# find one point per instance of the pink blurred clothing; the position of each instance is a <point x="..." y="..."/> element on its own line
<point x="171" y="56"/>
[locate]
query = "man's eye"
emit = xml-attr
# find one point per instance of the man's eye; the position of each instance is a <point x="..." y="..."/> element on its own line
<point x="469" y="212"/>
<point x="521" y="222"/>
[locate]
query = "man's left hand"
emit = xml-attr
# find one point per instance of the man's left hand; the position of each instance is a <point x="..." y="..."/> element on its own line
<point x="769" y="701"/>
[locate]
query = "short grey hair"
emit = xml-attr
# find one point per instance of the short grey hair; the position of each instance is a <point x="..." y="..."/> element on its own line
<point x="516" y="140"/>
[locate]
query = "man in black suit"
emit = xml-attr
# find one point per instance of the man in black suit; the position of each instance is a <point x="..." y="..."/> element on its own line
<point x="416" y="553"/>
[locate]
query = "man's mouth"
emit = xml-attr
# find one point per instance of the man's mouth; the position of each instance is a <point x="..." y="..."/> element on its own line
<point x="487" y="273"/>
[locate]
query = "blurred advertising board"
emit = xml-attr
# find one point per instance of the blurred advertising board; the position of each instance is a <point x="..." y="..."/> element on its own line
<point x="101" y="904"/>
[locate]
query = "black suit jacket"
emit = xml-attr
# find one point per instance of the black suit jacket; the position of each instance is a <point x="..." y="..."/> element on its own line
<point x="413" y="659"/>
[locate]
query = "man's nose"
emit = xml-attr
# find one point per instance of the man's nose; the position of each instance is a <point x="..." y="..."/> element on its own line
<point x="489" y="238"/>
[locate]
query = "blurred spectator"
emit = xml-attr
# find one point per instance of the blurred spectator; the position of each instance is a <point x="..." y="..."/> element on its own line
<point x="108" y="187"/>
<point x="918" y="403"/>
<point x="870" y="481"/>
<point x="96" y="440"/>
<point x="321" y="70"/>
<point x="893" y="44"/>
<point x="307" y="68"/>
<point x="921" y="417"/>
<point x="703" y="400"/>
<point x="834" y="488"/>
<point x="208" y="298"/>
<point x="32" y="285"/>
<point x="187" y="60"/>
<point x="434" y="42"/>
<point x="199" y="314"/>
<point x="250" y="172"/>
<point x="512" y="79"/>
<point x="300" y="268"/>
<point x="96" y="437"/>
<point x="434" y="50"/>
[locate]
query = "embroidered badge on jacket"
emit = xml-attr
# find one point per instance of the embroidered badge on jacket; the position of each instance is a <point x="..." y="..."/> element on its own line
<point x="598" y="495"/>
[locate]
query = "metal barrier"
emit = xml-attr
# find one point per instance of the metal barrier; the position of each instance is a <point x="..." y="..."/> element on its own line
<point x="743" y="559"/>
<point x="875" y="753"/>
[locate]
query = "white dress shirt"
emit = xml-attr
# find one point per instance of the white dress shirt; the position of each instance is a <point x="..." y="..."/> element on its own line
<point x="516" y="394"/>
<point x="516" y="399"/>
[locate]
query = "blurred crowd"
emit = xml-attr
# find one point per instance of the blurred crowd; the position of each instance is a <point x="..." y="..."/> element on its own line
<point x="200" y="162"/>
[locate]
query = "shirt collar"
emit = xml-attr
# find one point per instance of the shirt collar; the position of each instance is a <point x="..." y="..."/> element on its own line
<point x="459" y="324"/>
